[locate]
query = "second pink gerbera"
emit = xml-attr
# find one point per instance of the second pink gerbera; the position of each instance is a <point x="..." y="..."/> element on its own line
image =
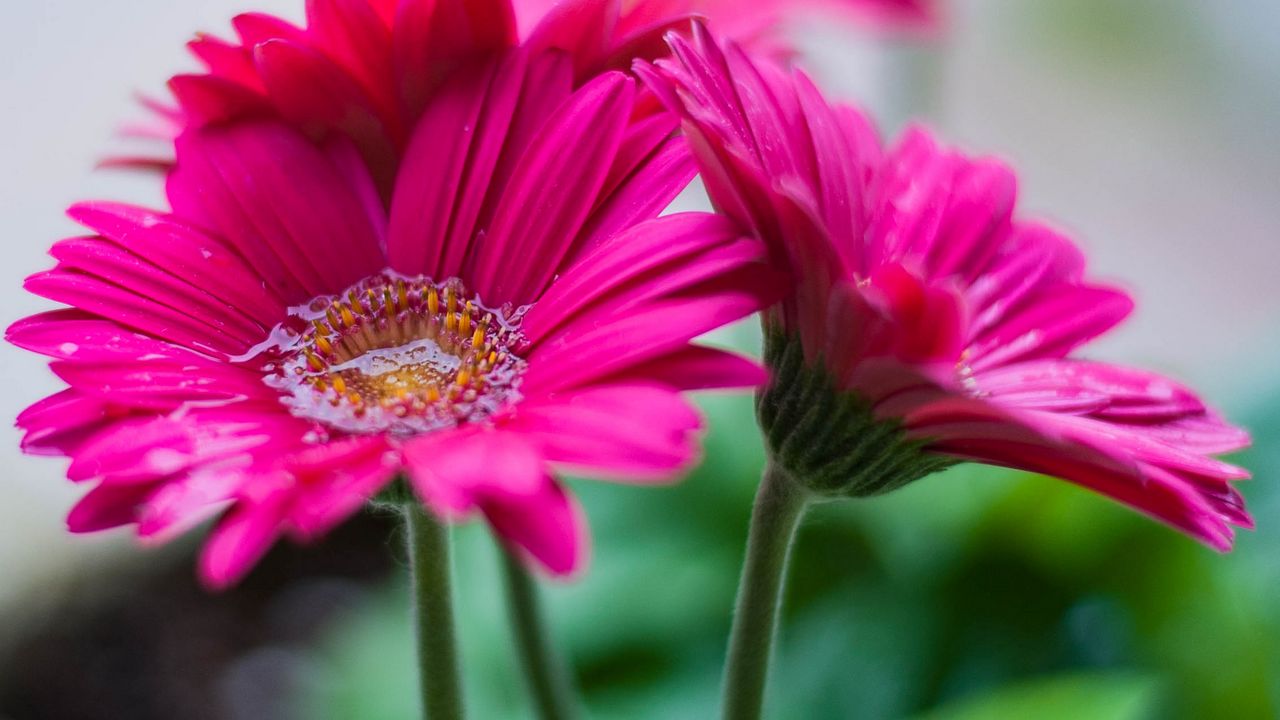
<point x="931" y="324"/>
<point x="498" y="303"/>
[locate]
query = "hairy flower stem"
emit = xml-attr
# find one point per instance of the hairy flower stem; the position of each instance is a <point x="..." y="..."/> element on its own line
<point x="431" y="568"/>
<point x="780" y="503"/>
<point x="547" y="677"/>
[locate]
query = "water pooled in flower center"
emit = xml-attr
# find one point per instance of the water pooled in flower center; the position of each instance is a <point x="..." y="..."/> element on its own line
<point x="396" y="354"/>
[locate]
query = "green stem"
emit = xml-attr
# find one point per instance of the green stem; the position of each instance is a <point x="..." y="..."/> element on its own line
<point x="431" y="567"/>
<point x="546" y="675"/>
<point x="780" y="503"/>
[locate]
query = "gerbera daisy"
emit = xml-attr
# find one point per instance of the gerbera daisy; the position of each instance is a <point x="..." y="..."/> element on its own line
<point x="924" y="296"/>
<point x="930" y="325"/>
<point x="363" y="68"/>
<point x="490" y="303"/>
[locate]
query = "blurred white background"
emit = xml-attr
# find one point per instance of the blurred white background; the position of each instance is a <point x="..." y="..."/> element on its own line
<point x="1149" y="128"/>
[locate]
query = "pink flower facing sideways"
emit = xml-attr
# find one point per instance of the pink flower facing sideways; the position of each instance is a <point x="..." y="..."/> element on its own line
<point x="473" y="292"/>
<point x="945" y="324"/>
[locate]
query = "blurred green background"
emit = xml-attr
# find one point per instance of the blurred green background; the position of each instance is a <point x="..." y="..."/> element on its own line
<point x="1148" y="128"/>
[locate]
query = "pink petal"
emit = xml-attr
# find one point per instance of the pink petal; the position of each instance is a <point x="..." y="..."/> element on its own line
<point x="430" y="181"/>
<point x="698" y="368"/>
<point x="352" y="33"/>
<point x="227" y="61"/>
<point x="286" y="194"/>
<point x="209" y="100"/>
<point x="582" y="28"/>
<point x="631" y="432"/>
<point x="184" y="252"/>
<point x="1051" y="326"/>
<point x="163" y="385"/>
<point x="502" y="475"/>
<point x="106" y="507"/>
<point x="313" y="91"/>
<point x="430" y="36"/>
<point x="335" y="480"/>
<point x="182" y="504"/>
<point x="454" y="471"/>
<point x="671" y="243"/>
<point x="1123" y="393"/>
<point x="558" y="362"/>
<point x="61" y="423"/>
<point x="111" y="263"/>
<point x="643" y="194"/>
<point x="243" y="536"/>
<point x="552" y="191"/>
<point x="132" y="310"/>
<point x="549" y="530"/>
<point x="147" y="448"/>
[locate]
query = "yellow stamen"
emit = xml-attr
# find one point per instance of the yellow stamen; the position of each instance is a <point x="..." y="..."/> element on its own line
<point x="477" y="339"/>
<point x="464" y="377"/>
<point x="315" y="362"/>
<point x="348" y="318"/>
<point x="340" y="385"/>
<point x="325" y="346"/>
<point x="404" y="295"/>
<point x="433" y="301"/>
<point x="464" y="322"/>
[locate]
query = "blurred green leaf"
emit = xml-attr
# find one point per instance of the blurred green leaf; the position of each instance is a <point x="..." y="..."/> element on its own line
<point x="1096" y="697"/>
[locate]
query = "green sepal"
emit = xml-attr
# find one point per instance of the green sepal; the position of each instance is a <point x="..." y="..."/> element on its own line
<point x="829" y="441"/>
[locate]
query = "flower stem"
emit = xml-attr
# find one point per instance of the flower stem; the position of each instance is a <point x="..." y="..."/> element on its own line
<point x="544" y="672"/>
<point x="431" y="567"/>
<point x="780" y="503"/>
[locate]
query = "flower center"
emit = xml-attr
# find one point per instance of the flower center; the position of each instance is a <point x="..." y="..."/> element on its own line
<point x="395" y="354"/>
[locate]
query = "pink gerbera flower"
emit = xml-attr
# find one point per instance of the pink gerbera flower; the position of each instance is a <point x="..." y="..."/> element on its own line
<point x="452" y="272"/>
<point x="364" y="68"/>
<point x="938" y="324"/>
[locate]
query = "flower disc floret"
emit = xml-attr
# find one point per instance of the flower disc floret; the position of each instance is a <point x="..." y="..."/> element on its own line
<point x="400" y="355"/>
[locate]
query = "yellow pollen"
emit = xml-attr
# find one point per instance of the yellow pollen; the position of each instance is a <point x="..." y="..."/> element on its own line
<point x="325" y="346"/>
<point x="493" y="357"/>
<point x="333" y="318"/>
<point x="450" y="321"/>
<point x="355" y="399"/>
<point x="340" y="385"/>
<point x="433" y="302"/>
<point x="464" y="377"/>
<point x="433" y="393"/>
<point x="477" y="339"/>
<point x="315" y="362"/>
<point x="404" y="295"/>
<point x="389" y="303"/>
<point x="348" y="319"/>
<point x="451" y="301"/>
